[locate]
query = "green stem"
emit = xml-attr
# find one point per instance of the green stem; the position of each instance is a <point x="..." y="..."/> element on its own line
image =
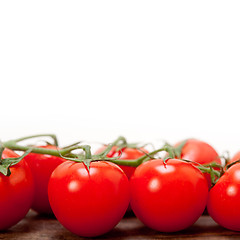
<point x="53" y="136"/>
<point x="209" y="170"/>
<point x="87" y="150"/>
<point x="14" y="146"/>
<point x="138" y="161"/>
<point x="125" y="162"/>
<point x="109" y="147"/>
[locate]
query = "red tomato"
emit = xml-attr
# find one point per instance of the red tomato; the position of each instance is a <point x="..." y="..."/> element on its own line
<point x="168" y="197"/>
<point x="42" y="166"/>
<point x="235" y="157"/>
<point x="223" y="202"/>
<point x="16" y="192"/>
<point x="200" y="152"/>
<point x="90" y="203"/>
<point x="125" y="153"/>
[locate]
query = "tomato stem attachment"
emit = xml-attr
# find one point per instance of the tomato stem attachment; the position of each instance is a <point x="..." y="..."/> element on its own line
<point x="138" y="161"/>
<point x="87" y="157"/>
<point x="111" y="145"/>
<point x="64" y="152"/>
<point x="6" y="163"/>
<point x="214" y="174"/>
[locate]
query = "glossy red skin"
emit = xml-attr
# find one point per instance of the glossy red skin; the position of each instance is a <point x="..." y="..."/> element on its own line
<point x="16" y="192"/>
<point x="168" y="198"/>
<point x="42" y="166"/>
<point x="200" y="152"/>
<point x="91" y="203"/>
<point x="224" y="198"/>
<point x="126" y="153"/>
<point x="235" y="157"/>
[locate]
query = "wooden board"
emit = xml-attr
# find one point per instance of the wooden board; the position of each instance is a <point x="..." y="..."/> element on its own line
<point x="36" y="227"/>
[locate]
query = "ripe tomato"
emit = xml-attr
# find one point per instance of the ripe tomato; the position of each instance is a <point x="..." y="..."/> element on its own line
<point x="16" y="192"/>
<point x="200" y="152"/>
<point x="168" y="197"/>
<point x="235" y="157"/>
<point x="125" y="153"/>
<point x="223" y="202"/>
<point x="42" y="166"/>
<point x="90" y="203"/>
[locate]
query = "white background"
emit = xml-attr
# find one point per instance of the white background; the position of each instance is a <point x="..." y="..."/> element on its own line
<point x="148" y="70"/>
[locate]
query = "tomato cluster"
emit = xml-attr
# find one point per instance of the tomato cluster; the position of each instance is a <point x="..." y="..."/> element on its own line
<point x="90" y="197"/>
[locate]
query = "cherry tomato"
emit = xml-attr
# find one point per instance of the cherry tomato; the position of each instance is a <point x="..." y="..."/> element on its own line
<point x="42" y="166"/>
<point x="200" y="152"/>
<point x="16" y="192"/>
<point x="90" y="203"/>
<point x="223" y="202"/>
<point x="168" y="197"/>
<point x="125" y="153"/>
<point x="235" y="157"/>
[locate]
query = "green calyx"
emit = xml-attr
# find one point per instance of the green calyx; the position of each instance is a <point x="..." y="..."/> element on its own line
<point x="6" y="163"/>
<point x="86" y="157"/>
<point x="214" y="169"/>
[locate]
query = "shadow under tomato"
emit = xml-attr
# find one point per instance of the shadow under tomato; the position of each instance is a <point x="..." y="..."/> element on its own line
<point x="36" y="226"/>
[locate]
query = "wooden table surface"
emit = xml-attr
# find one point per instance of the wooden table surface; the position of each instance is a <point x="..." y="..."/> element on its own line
<point x="36" y="227"/>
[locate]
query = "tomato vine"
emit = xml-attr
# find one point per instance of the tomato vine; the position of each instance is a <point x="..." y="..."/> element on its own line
<point x="88" y="157"/>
